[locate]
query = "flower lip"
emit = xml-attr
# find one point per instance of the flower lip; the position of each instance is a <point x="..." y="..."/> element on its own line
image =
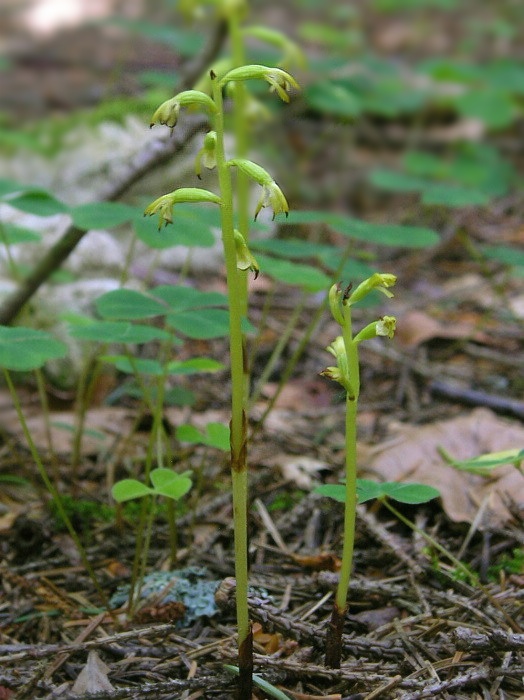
<point x="272" y="196"/>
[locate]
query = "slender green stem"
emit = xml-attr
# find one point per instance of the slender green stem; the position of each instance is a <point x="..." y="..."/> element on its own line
<point x="240" y="129"/>
<point x="237" y="304"/>
<point x="52" y="489"/>
<point x="432" y="541"/>
<point x="350" y="505"/>
<point x="277" y="352"/>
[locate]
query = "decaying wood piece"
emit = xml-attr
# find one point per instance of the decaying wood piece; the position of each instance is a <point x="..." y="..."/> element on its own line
<point x="467" y="639"/>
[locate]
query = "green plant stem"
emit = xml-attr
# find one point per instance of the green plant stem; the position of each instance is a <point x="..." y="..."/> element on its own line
<point x="53" y="490"/>
<point x="277" y="352"/>
<point x="240" y="129"/>
<point x="350" y="505"/>
<point x="433" y="542"/>
<point x="236" y="295"/>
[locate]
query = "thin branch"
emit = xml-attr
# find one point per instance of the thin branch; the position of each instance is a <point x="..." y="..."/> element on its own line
<point x="154" y="154"/>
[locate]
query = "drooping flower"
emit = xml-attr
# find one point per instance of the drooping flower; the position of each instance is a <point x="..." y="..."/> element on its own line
<point x="207" y="154"/>
<point x="385" y="327"/>
<point x="167" y="114"/>
<point x="169" y="111"/>
<point x="340" y="373"/>
<point x="280" y="81"/>
<point x="163" y="206"/>
<point x="272" y="196"/>
<point x="245" y="258"/>
<point x="379" y="280"/>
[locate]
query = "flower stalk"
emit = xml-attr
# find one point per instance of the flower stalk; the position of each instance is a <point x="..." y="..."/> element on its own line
<point x="347" y="373"/>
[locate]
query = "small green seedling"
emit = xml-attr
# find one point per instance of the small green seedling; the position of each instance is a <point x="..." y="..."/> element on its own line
<point x="165" y="482"/>
<point x="347" y="373"/>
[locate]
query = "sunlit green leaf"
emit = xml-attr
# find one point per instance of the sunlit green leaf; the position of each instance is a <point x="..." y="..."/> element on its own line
<point x="129" y="489"/>
<point x="169" y="484"/>
<point x="202" y="324"/>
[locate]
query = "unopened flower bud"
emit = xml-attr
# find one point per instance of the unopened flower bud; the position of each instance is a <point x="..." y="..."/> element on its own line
<point x="335" y="299"/>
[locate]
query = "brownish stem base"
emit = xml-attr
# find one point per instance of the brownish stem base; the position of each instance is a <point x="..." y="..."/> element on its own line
<point x="334" y="637"/>
<point x="245" y="667"/>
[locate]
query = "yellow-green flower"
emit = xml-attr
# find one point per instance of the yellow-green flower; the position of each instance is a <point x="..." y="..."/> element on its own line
<point x="163" y="206"/>
<point x="272" y="196"/>
<point x="340" y="373"/>
<point x="381" y="281"/>
<point x="281" y="82"/>
<point x="167" y="114"/>
<point x="386" y="326"/>
<point x="245" y="259"/>
<point x="207" y="154"/>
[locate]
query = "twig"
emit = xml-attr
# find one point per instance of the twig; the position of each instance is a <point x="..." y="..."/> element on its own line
<point x="41" y="651"/>
<point x="473" y="675"/>
<point x="472" y="397"/>
<point x="467" y="639"/>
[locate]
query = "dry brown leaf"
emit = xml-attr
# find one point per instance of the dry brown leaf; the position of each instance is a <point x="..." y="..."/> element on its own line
<point x="300" y="470"/>
<point x="416" y="327"/>
<point x="93" y="677"/>
<point x="412" y="455"/>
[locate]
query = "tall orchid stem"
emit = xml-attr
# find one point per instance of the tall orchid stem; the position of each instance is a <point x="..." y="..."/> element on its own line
<point x="237" y="305"/>
<point x="336" y="624"/>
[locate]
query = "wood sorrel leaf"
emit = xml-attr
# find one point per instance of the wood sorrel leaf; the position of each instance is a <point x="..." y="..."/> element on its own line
<point x="24" y="349"/>
<point x="129" y="489"/>
<point x="214" y="435"/>
<point x="97" y="215"/>
<point x="117" y="332"/>
<point x="170" y="484"/>
<point x="39" y="202"/>
<point x="368" y="490"/>
<point x="127" y="304"/>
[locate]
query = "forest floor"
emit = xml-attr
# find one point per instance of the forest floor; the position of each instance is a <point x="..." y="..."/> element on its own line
<point x="416" y="627"/>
